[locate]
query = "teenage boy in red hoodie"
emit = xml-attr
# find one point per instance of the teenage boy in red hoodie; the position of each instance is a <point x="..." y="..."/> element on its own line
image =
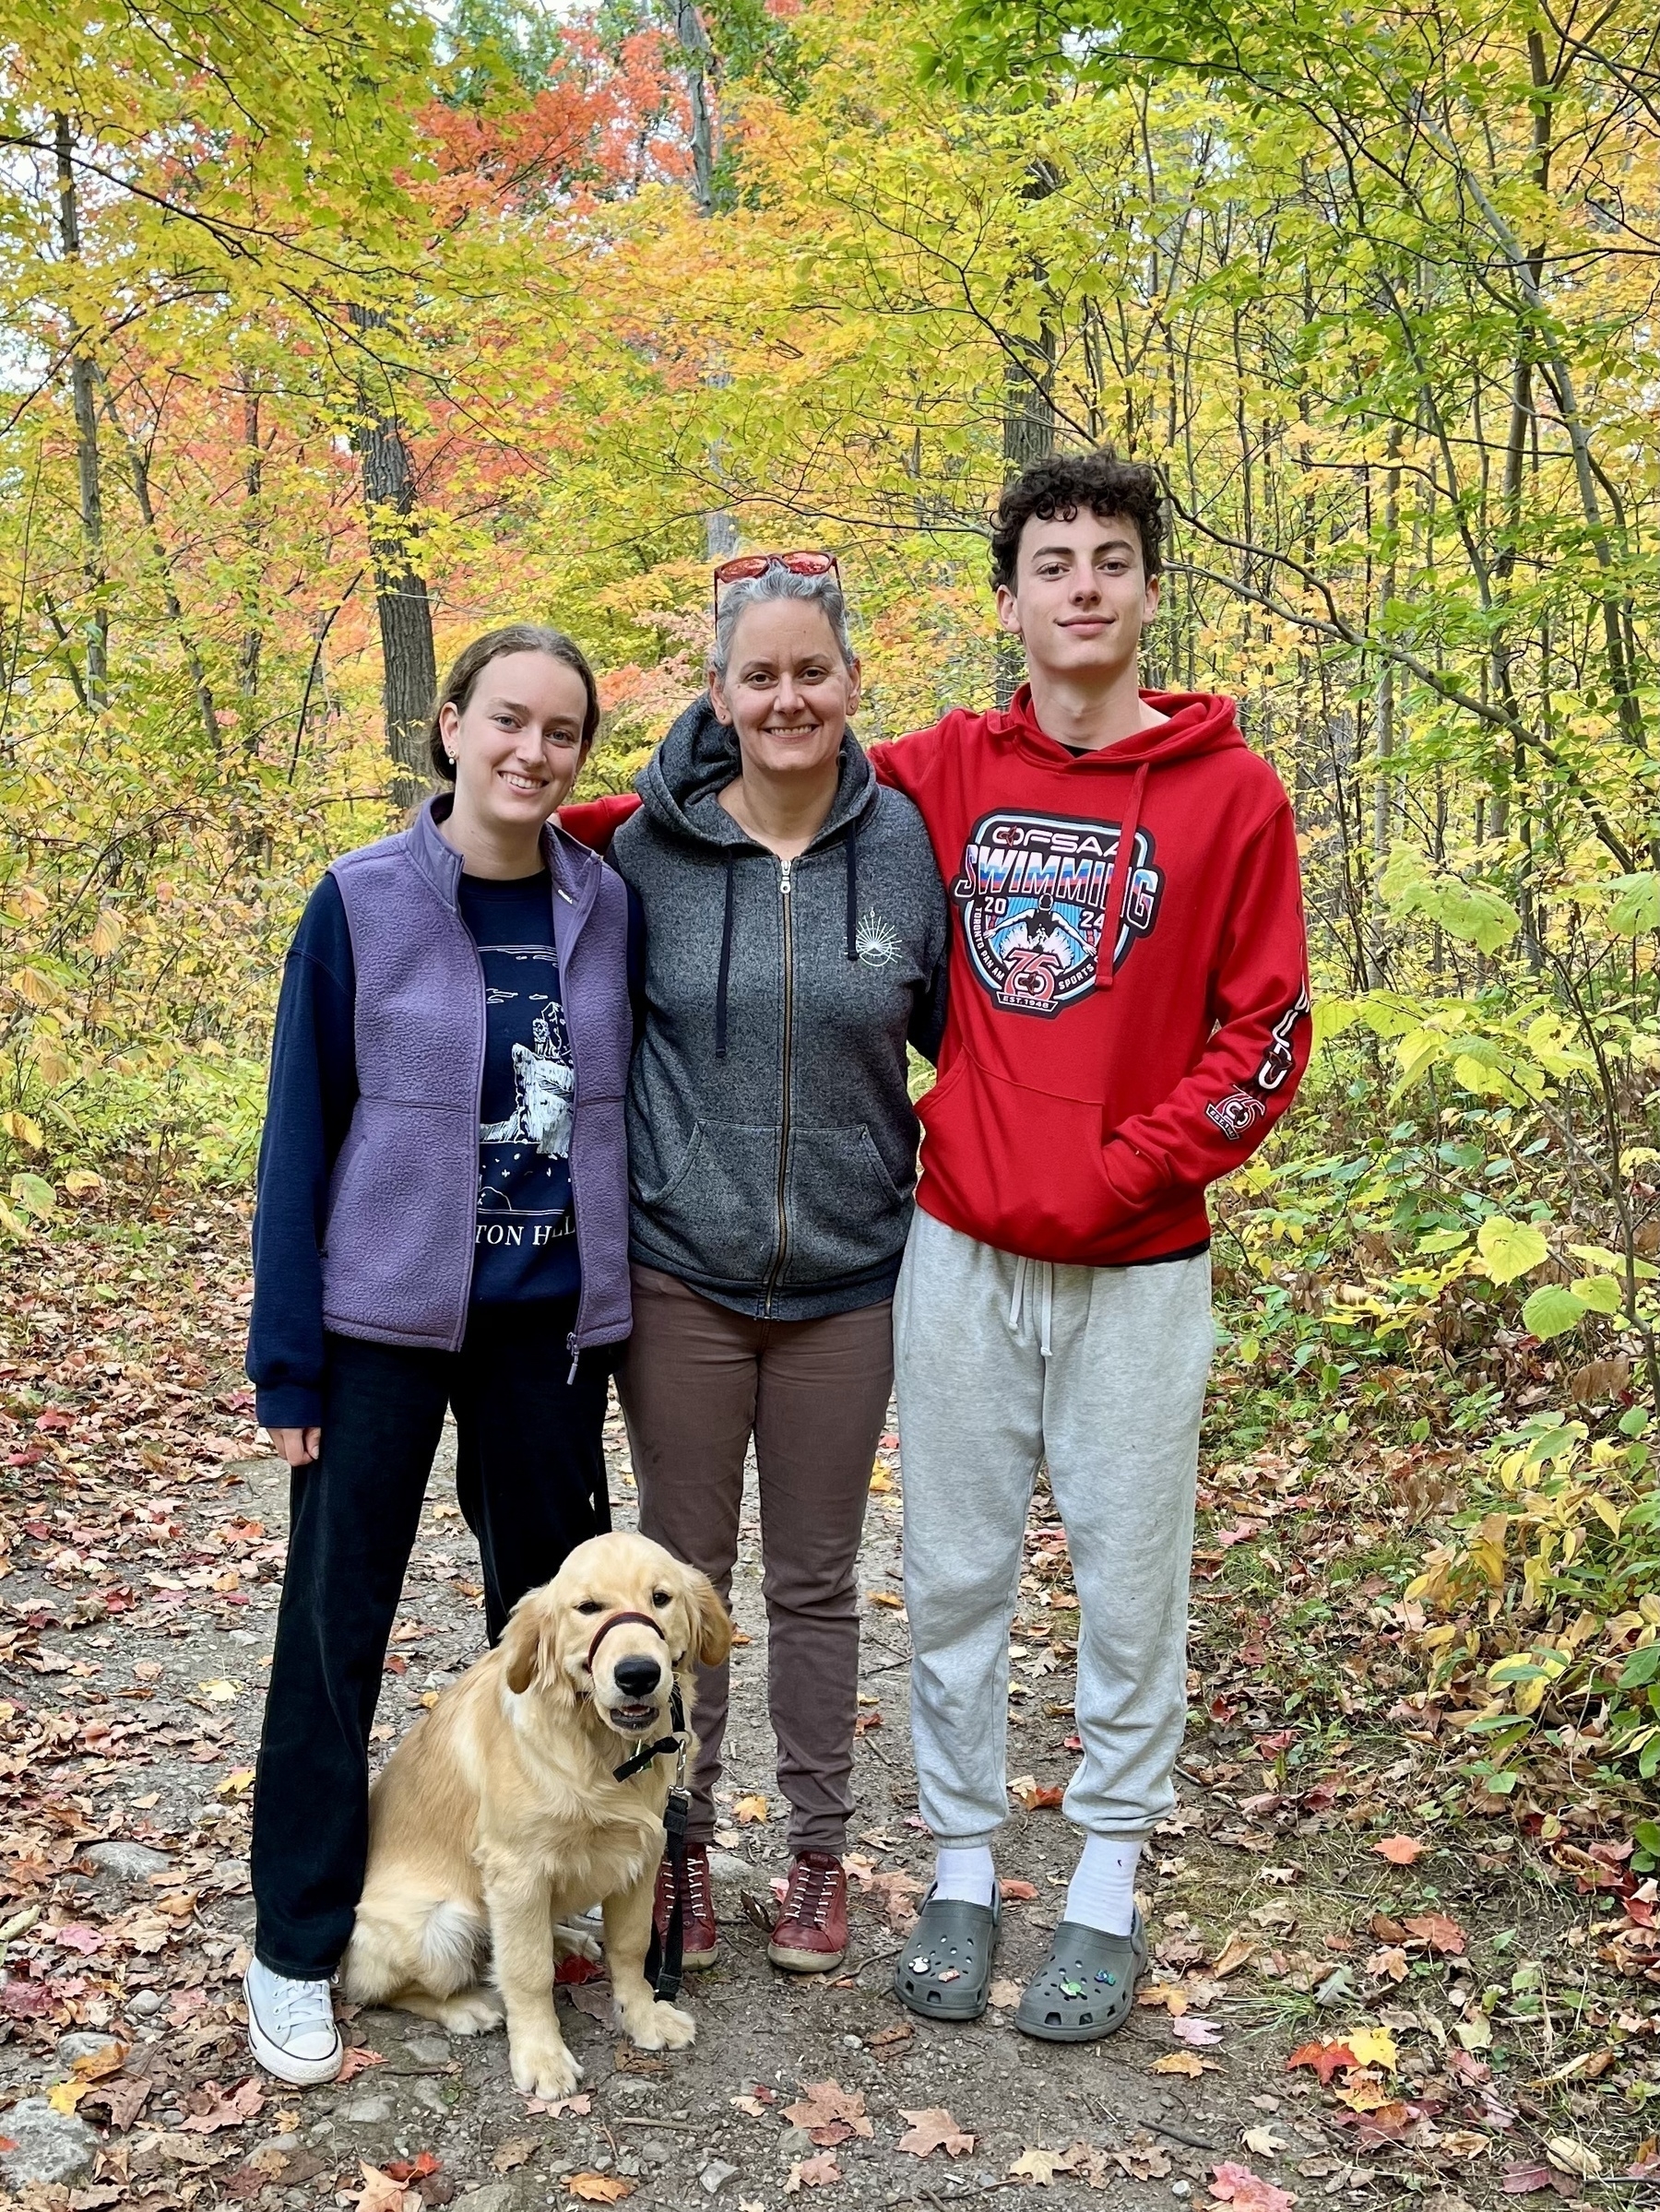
<point x="1128" y="1019"/>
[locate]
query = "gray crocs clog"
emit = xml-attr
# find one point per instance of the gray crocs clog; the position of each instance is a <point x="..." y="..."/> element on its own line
<point x="944" y="1971"/>
<point x="1085" y="1988"/>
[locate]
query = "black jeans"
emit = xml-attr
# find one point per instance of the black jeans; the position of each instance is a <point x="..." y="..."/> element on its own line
<point x="531" y="1477"/>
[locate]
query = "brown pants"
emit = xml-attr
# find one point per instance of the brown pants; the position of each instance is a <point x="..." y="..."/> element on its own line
<point x="696" y="1383"/>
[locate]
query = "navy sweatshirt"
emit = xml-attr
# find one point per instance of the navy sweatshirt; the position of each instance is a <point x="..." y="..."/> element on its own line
<point x="526" y="1246"/>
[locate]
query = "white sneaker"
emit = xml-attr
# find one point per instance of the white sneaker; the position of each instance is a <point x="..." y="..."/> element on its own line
<point x="291" y="2027"/>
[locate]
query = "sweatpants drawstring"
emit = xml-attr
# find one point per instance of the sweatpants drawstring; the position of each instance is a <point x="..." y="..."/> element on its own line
<point x="1033" y="1276"/>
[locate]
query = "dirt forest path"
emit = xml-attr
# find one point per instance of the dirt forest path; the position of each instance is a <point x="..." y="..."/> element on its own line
<point x="144" y="1533"/>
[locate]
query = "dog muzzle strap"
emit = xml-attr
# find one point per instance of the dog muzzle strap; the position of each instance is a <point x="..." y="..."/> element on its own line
<point x="664" y="1744"/>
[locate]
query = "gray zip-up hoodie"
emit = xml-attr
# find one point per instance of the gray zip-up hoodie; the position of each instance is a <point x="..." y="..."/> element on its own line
<point x="771" y="1142"/>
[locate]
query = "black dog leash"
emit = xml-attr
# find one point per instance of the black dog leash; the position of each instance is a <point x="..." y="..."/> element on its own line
<point x="664" y="1968"/>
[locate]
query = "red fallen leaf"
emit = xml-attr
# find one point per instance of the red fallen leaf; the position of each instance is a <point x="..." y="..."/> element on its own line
<point x="7" y="2143"/>
<point x="55" y="1417"/>
<point x="1522" y="2179"/>
<point x="1073" y="1744"/>
<point x="1270" y="1745"/>
<point x="1017" y="1893"/>
<point x="1325" y="2058"/>
<point x="356" y="2059"/>
<point x="866" y="1722"/>
<point x="1321" y="1798"/>
<point x="26" y="2000"/>
<point x="413" y="2170"/>
<point x="1246" y="2192"/>
<point x="1437" y="1933"/>
<point x="397" y="1663"/>
<point x="244" y="2102"/>
<point x="1640" y="1911"/>
<point x="572" y="1970"/>
<point x="1400" y="1850"/>
<point x="76" y="1937"/>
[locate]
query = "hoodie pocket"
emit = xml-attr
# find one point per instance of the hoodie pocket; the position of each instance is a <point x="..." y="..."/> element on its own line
<point x="846" y="1213"/>
<point x="717" y="1215"/>
<point x="1026" y="1170"/>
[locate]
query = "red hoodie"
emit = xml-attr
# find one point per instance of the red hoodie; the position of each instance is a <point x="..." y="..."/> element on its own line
<point x="1081" y="1111"/>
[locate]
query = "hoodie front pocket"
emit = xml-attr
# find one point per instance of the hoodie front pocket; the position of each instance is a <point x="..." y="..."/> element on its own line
<point x="716" y="1216"/>
<point x="845" y="1213"/>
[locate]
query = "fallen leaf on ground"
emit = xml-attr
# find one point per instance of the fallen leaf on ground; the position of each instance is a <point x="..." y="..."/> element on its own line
<point x="751" y="2106"/>
<point x="98" y="2065"/>
<point x="901" y="2032"/>
<point x="812" y="2173"/>
<point x="748" y="1811"/>
<point x="1235" y="1953"/>
<point x="1184" y="2062"/>
<point x="1523" y="2178"/>
<point x="1187" y="2029"/>
<point x="828" y="2112"/>
<point x="931" y="2130"/>
<point x="1569" y="2157"/>
<point x="1040" y="2166"/>
<point x="1325" y="2058"/>
<point x="518" y="2150"/>
<point x="1003" y="1994"/>
<point x="1437" y="1933"/>
<point x="1017" y="1893"/>
<point x="1400" y="1850"/>
<point x="1264" y="2142"/>
<point x="1372" y="2047"/>
<point x="882" y="1597"/>
<point x="600" y="2188"/>
<point x="1388" y="1963"/>
<point x="410" y="2169"/>
<point x="380" y="2192"/>
<point x="1141" y="2159"/>
<point x="220" y="2110"/>
<point x="356" y="2059"/>
<point x="1247" y="2192"/>
<point x="1033" y="1796"/>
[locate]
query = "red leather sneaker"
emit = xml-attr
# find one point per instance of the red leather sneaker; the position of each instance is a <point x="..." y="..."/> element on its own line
<point x="812" y="1931"/>
<point x="700" y="1940"/>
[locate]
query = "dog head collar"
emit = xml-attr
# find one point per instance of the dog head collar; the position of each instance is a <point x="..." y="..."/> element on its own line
<point x="677" y="1710"/>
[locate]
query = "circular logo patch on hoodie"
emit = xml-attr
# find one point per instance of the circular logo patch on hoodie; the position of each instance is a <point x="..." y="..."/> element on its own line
<point x="1033" y="892"/>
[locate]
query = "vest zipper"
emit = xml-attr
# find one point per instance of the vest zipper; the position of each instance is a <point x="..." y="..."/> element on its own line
<point x="787" y="926"/>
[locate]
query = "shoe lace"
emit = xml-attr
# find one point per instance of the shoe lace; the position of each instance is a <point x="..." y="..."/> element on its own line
<point x="697" y="1885"/>
<point x="812" y="1892"/>
<point x="301" y="2004"/>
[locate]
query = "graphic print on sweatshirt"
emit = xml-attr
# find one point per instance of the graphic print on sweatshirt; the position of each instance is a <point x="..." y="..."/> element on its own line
<point x="525" y="1222"/>
<point x="1033" y="894"/>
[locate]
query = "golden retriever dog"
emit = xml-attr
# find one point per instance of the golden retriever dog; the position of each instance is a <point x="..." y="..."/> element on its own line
<point x="500" y="1814"/>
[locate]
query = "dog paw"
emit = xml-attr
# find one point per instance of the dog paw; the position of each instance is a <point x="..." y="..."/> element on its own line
<point x="542" y="2069"/>
<point x="476" y="2012"/>
<point x="663" y="2028"/>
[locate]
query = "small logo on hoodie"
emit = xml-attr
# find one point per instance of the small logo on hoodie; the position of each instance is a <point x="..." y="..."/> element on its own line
<point x="877" y="943"/>
<point x="1032" y="892"/>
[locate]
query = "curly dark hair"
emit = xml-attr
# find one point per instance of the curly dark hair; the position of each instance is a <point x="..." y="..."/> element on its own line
<point x="1057" y="488"/>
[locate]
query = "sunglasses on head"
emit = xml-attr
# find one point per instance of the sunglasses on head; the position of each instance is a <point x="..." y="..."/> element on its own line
<point x="742" y="566"/>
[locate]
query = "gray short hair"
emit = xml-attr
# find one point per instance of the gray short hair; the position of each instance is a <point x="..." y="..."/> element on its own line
<point x="823" y="592"/>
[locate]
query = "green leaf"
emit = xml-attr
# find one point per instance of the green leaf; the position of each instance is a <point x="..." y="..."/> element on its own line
<point x="1602" y="1294"/>
<point x="1646" y="1834"/>
<point x="1551" y="1311"/>
<point x="1636" y="905"/>
<point x="1510" y="1248"/>
<point x="1642" y="1666"/>
<point x="34" y="1194"/>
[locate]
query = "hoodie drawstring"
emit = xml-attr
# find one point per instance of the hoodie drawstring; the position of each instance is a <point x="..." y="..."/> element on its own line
<point x="1118" y="889"/>
<point x="726" y="968"/>
<point x="1034" y="1283"/>
<point x="850" y="846"/>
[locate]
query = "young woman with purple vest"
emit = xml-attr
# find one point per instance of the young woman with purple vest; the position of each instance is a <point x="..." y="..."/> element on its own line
<point x="442" y="1221"/>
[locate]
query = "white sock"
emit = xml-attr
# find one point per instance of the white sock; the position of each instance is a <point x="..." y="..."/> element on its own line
<point x="1102" y="1893"/>
<point x="969" y="1875"/>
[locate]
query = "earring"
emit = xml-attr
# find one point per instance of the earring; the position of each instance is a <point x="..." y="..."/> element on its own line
<point x="450" y="758"/>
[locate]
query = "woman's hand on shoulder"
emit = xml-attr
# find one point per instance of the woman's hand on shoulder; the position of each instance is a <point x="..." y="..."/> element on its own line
<point x="298" y="1447"/>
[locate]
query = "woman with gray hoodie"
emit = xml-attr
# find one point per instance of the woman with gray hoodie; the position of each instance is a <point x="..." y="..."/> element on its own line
<point x="796" y="939"/>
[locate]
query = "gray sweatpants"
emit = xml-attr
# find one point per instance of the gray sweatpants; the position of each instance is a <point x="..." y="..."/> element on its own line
<point x="1000" y="1363"/>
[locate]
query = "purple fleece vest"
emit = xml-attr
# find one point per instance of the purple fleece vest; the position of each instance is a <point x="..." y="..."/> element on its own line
<point x="397" y="1256"/>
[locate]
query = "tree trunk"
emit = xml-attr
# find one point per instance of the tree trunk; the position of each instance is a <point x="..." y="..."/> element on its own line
<point x="248" y="654"/>
<point x="409" y="669"/>
<point x="693" y="42"/>
<point x="86" y="438"/>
